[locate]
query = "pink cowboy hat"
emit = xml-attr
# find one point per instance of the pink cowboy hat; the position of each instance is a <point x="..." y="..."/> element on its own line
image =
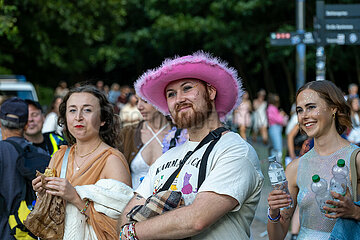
<point x="200" y="65"/>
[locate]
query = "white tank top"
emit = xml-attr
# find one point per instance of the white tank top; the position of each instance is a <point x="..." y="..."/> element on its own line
<point x="138" y="166"/>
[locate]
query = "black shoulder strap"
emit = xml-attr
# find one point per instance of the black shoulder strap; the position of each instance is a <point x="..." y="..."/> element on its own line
<point x="20" y="162"/>
<point x="204" y="160"/>
<point x="213" y="135"/>
<point x="27" y="193"/>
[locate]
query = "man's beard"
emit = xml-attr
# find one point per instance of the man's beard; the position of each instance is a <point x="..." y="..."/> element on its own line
<point x="193" y="119"/>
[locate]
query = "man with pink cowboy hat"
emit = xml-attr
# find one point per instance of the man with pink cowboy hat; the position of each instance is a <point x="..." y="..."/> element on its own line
<point x="217" y="173"/>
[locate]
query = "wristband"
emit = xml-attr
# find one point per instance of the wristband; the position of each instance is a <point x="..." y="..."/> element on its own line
<point x="275" y="219"/>
<point x="82" y="211"/>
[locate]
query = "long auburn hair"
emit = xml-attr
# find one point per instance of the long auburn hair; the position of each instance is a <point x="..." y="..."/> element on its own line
<point x="109" y="132"/>
<point x="334" y="98"/>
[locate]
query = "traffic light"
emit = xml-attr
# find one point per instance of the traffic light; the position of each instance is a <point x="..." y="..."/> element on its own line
<point x="285" y="35"/>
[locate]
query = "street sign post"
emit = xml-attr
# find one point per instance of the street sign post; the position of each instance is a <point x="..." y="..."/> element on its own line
<point x="334" y="24"/>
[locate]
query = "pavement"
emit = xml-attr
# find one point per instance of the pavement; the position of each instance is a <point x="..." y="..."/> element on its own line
<point x="258" y="227"/>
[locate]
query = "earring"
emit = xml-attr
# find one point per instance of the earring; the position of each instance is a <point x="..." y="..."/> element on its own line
<point x="334" y="115"/>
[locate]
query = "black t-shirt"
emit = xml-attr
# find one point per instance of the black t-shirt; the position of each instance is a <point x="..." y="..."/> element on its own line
<point x="47" y="145"/>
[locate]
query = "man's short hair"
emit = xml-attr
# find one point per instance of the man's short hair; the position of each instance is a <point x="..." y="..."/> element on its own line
<point x="14" y="113"/>
<point x="34" y="103"/>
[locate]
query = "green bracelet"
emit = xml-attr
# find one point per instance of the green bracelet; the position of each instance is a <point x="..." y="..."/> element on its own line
<point x="87" y="203"/>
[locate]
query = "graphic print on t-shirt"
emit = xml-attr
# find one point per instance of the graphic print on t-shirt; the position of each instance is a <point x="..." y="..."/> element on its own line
<point x="187" y="187"/>
<point x="158" y="184"/>
<point x="173" y="186"/>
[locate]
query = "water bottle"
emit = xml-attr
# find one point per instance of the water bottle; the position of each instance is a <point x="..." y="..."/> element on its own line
<point x="320" y="188"/>
<point x="338" y="182"/>
<point x="277" y="177"/>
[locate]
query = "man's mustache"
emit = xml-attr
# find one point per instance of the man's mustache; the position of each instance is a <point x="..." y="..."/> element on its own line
<point x="182" y="105"/>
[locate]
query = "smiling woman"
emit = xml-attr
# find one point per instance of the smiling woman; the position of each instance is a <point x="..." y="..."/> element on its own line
<point x="94" y="165"/>
<point x="323" y="115"/>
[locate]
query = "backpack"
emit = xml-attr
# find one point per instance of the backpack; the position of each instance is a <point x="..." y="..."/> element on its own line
<point x="27" y="163"/>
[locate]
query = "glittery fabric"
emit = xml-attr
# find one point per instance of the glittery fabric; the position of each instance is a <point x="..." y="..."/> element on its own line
<point x="314" y="225"/>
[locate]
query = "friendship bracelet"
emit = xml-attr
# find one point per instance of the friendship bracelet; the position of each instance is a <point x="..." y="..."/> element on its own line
<point x="275" y="219"/>
<point x="132" y="232"/>
<point x="122" y="233"/>
<point x="87" y="203"/>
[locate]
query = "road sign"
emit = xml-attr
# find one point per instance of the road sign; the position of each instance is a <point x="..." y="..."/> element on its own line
<point x="291" y="38"/>
<point x="342" y="10"/>
<point x="343" y="24"/>
<point x="346" y="38"/>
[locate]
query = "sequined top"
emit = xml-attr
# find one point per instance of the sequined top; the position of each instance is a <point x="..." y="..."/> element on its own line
<point x="314" y="225"/>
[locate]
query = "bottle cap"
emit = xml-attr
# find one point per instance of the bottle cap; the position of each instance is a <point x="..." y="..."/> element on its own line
<point x="341" y="162"/>
<point x="316" y="178"/>
<point x="272" y="158"/>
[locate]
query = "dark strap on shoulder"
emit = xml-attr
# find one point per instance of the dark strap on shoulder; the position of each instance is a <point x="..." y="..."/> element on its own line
<point x="20" y="162"/>
<point x="213" y="135"/>
<point x="19" y="149"/>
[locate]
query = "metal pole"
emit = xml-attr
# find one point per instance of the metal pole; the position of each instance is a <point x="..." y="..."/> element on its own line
<point x="300" y="48"/>
<point x="320" y="49"/>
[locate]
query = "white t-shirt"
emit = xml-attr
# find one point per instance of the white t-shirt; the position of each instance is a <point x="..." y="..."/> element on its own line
<point x="233" y="169"/>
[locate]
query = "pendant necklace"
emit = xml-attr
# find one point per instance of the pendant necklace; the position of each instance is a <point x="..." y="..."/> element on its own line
<point x="85" y="155"/>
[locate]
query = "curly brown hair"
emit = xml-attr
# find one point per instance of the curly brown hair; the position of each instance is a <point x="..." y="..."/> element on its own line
<point x="334" y="98"/>
<point x="109" y="132"/>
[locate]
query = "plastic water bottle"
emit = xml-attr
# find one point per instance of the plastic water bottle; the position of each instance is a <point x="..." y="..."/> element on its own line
<point x="338" y="182"/>
<point x="320" y="188"/>
<point x="277" y="177"/>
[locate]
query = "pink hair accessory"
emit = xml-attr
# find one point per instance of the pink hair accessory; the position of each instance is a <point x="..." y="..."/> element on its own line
<point x="200" y="65"/>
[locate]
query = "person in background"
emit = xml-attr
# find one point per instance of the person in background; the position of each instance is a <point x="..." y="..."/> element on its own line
<point x="323" y="115"/>
<point x="62" y="89"/>
<point x="100" y="86"/>
<point x="242" y="115"/>
<point x="49" y="141"/>
<point x="353" y="91"/>
<point x="13" y="119"/>
<point x="260" y="118"/>
<point x="114" y="93"/>
<point x="277" y="119"/>
<point x="51" y="118"/>
<point x="195" y="90"/>
<point x="122" y="99"/>
<point x="106" y="90"/>
<point x="354" y="134"/>
<point x="130" y="114"/>
<point x="97" y="183"/>
<point x="146" y="141"/>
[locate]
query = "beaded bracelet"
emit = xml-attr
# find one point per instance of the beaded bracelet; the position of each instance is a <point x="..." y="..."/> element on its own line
<point x="82" y="211"/>
<point x="130" y="234"/>
<point x="275" y="219"/>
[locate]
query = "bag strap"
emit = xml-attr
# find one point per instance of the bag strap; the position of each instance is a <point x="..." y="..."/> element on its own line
<point x="64" y="163"/>
<point x="215" y="134"/>
<point x="353" y="173"/>
<point x="17" y="146"/>
<point x="204" y="160"/>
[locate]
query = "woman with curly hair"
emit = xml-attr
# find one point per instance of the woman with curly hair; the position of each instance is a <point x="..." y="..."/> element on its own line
<point x="94" y="166"/>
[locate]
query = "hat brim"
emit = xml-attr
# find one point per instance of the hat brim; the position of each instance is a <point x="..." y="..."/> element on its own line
<point x="151" y="86"/>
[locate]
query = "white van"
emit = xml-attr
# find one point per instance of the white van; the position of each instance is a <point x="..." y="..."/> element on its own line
<point x="16" y="86"/>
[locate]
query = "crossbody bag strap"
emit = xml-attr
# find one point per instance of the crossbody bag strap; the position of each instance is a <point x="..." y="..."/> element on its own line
<point x="353" y="173"/>
<point x="64" y="163"/>
<point x="211" y="136"/>
<point x="205" y="157"/>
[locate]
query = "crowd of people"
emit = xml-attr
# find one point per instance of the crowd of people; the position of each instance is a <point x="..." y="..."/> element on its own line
<point x="158" y="161"/>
